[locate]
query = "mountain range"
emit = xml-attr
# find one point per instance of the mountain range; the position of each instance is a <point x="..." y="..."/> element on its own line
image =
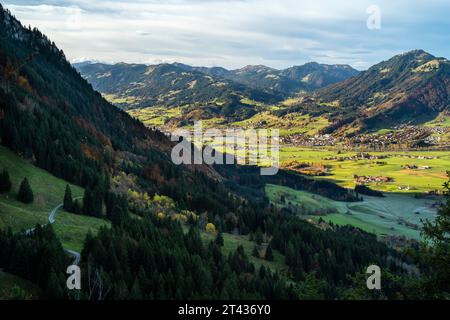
<point x="132" y="86"/>
<point x="307" y="77"/>
<point x="408" y="89"/>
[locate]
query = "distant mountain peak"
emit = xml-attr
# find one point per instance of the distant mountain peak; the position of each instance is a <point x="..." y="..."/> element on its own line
<point x="255" y="68"/>
<point x="416" y="54"/>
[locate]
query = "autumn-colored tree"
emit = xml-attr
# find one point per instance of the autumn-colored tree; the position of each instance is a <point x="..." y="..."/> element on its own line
<point x="210" y="227"/>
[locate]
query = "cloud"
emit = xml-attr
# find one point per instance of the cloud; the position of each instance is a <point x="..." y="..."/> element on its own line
<point x="233" y="33"/>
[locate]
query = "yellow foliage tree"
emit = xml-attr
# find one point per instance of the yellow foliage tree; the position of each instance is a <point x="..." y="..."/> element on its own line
<point x="211" y="227"/>
<point x="161" y="215"/>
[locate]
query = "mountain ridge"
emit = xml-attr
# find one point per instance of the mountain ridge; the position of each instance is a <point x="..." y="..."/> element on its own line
<point x="254" y="82"/>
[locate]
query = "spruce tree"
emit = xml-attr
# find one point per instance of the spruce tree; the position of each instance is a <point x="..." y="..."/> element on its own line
<point x="118" y="215"/>
<point x="54" y="290"/>
<point x="269" y="253"/>
<point x="259" y="237"/>
<point x="25" y="192"/>
<point x="136" y="293"/>
<point x="93" y="202"/>
<point x="68" y="201"/>
<point x="219" y="239"/>
<point x="5" y="182"/>
<point x="255" y="252"/>
<point x="76" y="207"/>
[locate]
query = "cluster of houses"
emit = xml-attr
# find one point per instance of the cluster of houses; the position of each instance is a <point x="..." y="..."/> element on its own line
<point x="400" y="137"/>
<point x="318" y="140"/>
<point x="404" y="136"/>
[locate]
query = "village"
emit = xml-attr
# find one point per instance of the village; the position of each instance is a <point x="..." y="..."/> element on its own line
<point x="402" y="137"/>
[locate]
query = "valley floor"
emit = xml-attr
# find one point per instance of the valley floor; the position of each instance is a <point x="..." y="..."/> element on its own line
<point x="411" y="171"/>
<point x="395" y="214"/>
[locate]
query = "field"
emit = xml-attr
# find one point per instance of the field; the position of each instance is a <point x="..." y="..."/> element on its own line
<point x="122" y="100"/>
<point x="155" y="116"/>
<point x="395" y="214"/>
<point x="48" y="192"/>
<point x="292" y="123"/>
<point x="393" y="165"/>
<point x="72" y="229"/>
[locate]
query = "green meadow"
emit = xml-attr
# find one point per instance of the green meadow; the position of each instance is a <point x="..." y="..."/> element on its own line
<point x="155" y="116"/>
<point x="232" y="242"/>
<point x="48" y="192"/>
<point x="399" y="214"/>
<point x="404" y="180"/>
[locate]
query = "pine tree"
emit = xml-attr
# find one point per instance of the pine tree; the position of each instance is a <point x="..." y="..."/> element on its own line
<point x="259" y="237"/>
<point x="136" y="293"/>
<point x="68" y="201"/>
<point x="219" y="239"/>
<point x="25" y="192"/>
<point x="76" y="207"/>
<point x="92" y="202"/>
<point x="5" y="182"/>
<point x="87" y="202"/>
<point x="118" y="215"/>
<point x="54" y="290"/>
<point x="269" y="253"/>
<point x="255" y="252"/>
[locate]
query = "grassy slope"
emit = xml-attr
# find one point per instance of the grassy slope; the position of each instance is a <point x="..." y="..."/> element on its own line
<point x="376" y="215"/>
<point x="155" y="116"/>
<point x="8" y="281"/>
<point x="49" y="192"/>
<point x="231" y="242"/>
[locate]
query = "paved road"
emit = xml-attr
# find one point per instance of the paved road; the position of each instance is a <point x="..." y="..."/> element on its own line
<point x="51" y="219"/>
<point x="76" y="256"/>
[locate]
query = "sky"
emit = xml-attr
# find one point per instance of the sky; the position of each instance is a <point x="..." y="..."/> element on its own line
<point x="236" y="33"/>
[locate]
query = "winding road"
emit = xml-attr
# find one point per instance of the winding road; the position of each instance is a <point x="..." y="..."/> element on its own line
<point x="51" y="219"/>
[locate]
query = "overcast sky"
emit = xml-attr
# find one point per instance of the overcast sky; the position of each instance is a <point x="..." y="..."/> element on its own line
<point x="235" y="33"/>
